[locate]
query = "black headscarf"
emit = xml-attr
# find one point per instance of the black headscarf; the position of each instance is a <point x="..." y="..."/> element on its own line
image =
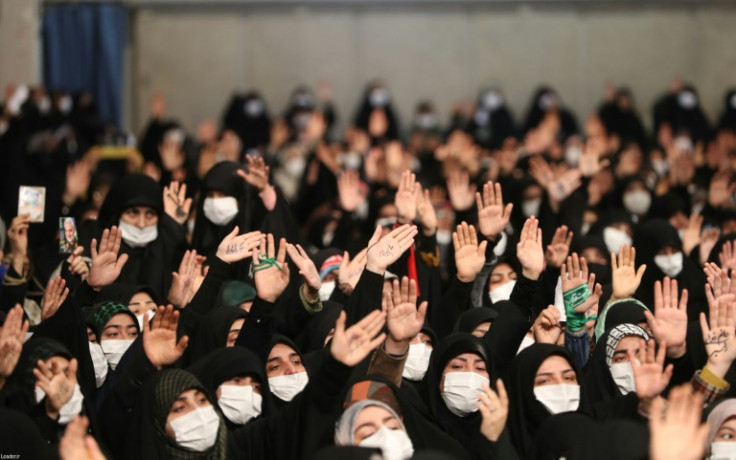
<point x="147" y="437"/>
<point x="247" y="116"/>
<point x="211" y="334"/>
<point x="461" y="428"/>
<point x="492" y="122"/>
<point x="469" y="320"/>
<point x="226" y="363"/>
<point x="649" y="239"/>
<point x="576" y="436"/>
<point x="526" y="413"/>
<point x="597" y="374"/>
<point x="367" y="106"/>
<point x="222" y="177"/>
<point x="728" y="116"/>
<point x="150" y="265"/>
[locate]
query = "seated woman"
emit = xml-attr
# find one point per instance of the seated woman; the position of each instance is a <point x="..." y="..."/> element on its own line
<point x="460" y="369"/>
<point x="721" y="442"/>
<point x="236" y="376"/>
<point x="371" y="423"/>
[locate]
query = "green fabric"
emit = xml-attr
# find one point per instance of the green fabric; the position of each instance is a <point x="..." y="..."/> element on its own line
<point x="104" y="312"/>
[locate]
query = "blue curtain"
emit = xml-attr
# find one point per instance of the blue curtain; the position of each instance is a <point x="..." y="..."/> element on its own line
<point x="83" y="46"/>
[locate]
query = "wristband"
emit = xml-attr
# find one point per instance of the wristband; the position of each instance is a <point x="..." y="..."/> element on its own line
<point x="264" y="264"/>
<point x="575" y="297"/>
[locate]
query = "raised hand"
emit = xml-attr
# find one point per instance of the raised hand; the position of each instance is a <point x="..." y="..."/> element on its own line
<point x="181" y="290"/>
<point x="547" y="327"/>
<point x="676" y="431"/>
<point x="353" y="345"/>
<point x="691" y="237"/>
<point x="77" y="181"/>
<point x="234" y="247"/>
<point x="625" y="277"/>
<point x="57" y="384"/>
<point x="425" y="211"/>
<point x="271" y="274"/>
<point x="494" y="408"/>
<point x="257" y="174"/>
<point x="559" y="247"/>
<point x="461" y="192"/>
<point x="54" y="296"/>
<point x="721" y="189"/>
<point x="350" y="191"/>
<point x="406" y="198"/>
<point x="727" y="256"/>
<point x="350" y="270"/>
<point x="18" y="239"/>
<point x="719" y="332"/>
<point x="176" y="203"/>
<point x="469" y="255"/>
<point x="669" y="322"/>
<point x="493" y="217"/>
<point x="172" y="157"/>
<point x="76" y="443"/>
<point x="403" y="318"/>
<point x="719" y="282"/>
<point x="77" y="265"/>
<point x="590" y="162"/>
<point x="12" y="335"/>
<point x="159" y="338"/>
<point x="106" y="265"/>
<point x="529" y="249"/>
<point x="307" y="270"/>
<point x="708" y="240"/>
<point x="650" y="375"/>
<point x="382" y="252"/>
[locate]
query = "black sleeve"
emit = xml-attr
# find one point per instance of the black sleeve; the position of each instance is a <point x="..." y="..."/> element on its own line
<point x="12" y="293"/>
<point x="258" y="327"/>
<point x="505" y="335"/>
<point x="114" y="416"/>
<point x="365" y="298"/>
<point x="310" y="418"/>
<point x="455" y="301"/>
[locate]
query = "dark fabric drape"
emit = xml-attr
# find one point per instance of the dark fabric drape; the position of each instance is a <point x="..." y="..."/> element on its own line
<point x="83" y="46"/>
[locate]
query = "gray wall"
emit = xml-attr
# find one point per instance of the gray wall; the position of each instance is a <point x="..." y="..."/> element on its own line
<point x="198" y="56"/>
<point x="19" y="43"/>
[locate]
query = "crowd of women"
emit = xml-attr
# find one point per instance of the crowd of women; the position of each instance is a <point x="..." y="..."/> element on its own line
<point x="307" y="287"/>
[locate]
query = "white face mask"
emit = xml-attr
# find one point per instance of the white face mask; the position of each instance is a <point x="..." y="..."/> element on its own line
<point x="220" y="211"/>
<point x="531" y="207"/>
<point x="294" y="167"/>
<point x="660" y="167"/>
<point x="394" y="444"/>
<point x="379" y="97"/>
<point x="114" y="350"/>
<point x="138" y="237"/>
<point x="197" y="430"/>
<point x="254" y="108"/>
<point x="425" y="121"/>
<point x="286" y="387"/>
<point x="65" y="104"/>
<point x="99" y="362"/>
<point x="623" y="375"/>
<point x="525" y="343"/>
<point x="502" y="292"/>
<point x="351" y="160"/>
<point x="460" y="392"/>
<point x="385" y="221"/>
<point x="637" y="202"/>
<point x="417" y="362"/>
<point x="723" y="451"/>
<point x="615" y="238"/>
<point x="492" y="100"/>
<point x="147" y="316"/>
<point x="671" y="265"/>
<point x="572" y="155"/>
<point x="558" y="398"/>
<point x="325" y="290"/>
<point x="70" y="408"/>
<point x="444" y="237"/>
<point x="239" y="403"/>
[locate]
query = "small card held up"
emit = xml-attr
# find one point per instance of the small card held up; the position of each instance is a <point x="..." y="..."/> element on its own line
<point x="32" y="201"/>
<point x="68" y="238"/>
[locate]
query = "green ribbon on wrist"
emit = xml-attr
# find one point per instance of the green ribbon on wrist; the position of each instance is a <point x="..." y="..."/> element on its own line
<point x="572" y="299"/>
<point x="264" y="264"/>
